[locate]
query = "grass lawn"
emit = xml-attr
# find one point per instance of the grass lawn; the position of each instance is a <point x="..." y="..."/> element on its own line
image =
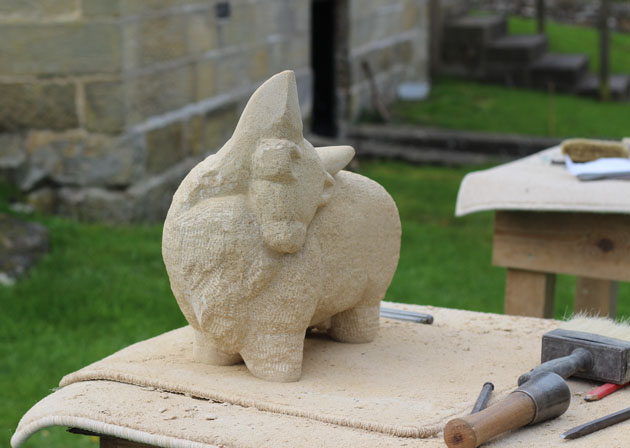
<point x="483" y="107"/>
<point x="103" y="288"/>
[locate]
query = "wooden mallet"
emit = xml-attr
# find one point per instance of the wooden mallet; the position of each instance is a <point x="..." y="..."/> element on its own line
<point x="544" y="397"/>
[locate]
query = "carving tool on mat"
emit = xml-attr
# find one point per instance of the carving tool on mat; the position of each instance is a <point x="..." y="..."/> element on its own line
<point x="544" y="397"/>
<point x="411" y="316"/>
<point x="484" y="396"/>
<point x="603" y="391"/>
<point x="596" y="425"/>
<point x="592" y="348"/>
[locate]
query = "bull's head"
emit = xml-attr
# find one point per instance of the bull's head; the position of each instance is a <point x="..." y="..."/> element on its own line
<point x="288" y="178"/>
<point x="289" y="182"/>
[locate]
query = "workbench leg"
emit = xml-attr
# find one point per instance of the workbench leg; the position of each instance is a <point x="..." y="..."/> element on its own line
<point x="529" y="293"/>
<point x="596" y="296"/>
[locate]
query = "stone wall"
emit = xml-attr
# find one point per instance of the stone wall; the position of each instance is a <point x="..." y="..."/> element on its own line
<point x="105" y="105"/>
<point x="392" y="37"/>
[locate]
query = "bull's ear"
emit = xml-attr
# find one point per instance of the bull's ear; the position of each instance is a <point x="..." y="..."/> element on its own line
<point x="335" y="158"/>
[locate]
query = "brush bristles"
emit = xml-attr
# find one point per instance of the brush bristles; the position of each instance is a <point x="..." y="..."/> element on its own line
<point x="599" y="325"/>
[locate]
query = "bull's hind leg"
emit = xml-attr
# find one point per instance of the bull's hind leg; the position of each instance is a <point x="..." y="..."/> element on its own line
<point x="356" y="325"/>
<point x="205" y="351"/>
<point x="275" y="357"/>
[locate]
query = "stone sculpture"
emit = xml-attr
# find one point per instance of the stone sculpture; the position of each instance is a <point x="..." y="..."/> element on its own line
<point x="268" y="237"/>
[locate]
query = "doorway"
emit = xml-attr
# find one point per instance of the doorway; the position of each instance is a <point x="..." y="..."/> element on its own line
<point x="323" y="35"/>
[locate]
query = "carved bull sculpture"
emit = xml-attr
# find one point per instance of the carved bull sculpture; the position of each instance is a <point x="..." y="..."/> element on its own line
<point x="268" y="237"/>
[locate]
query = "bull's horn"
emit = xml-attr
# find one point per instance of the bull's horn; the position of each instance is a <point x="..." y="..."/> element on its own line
<point x="335" y="158"/>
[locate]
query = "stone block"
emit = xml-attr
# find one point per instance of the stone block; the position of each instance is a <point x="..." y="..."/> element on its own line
<point x="206" y="80"/>
<point x="22" y="244"/>
<point x="165" y="147"/>
<point x="231" y="72"/>
<point x="132" y="7"/>
<point x="410" y="15"/>
<point x="100" y="8"/>
<point x="152" y="197"/>
<point x="95" y="205"/>
<point x="12" y="157"/>
<point x="30" y="10"/>
<point x="76" y="48"/>
<point x="77" y="158"/>
<point x="218" y="127"/>
<point x="43" y="200"/>
<point x="259" y="64"/>
<point x="105" y="109"/>
<point x="194" y="135"/>
<point x="163" y="38"/>
<point x="159" y="92"/>
<point x="37" y="105"/>
<point x="202" y="32"/>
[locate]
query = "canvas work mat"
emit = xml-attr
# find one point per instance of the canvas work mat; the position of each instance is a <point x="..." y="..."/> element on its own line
<point x="535" y="183"/>
<point x="399" y="390"/>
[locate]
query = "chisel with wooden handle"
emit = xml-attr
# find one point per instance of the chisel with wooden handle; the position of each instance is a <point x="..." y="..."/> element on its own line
<point x="542" y="398"/>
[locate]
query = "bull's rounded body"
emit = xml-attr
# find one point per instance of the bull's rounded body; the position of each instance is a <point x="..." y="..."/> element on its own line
<point x="293" y="244"/>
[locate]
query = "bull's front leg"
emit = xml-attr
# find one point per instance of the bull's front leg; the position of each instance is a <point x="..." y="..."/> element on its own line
<point x="275" y="357"/>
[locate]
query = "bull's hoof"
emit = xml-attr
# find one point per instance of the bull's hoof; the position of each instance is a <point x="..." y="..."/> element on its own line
<point x="206" y="352"/>
<point x="275" y="357"/>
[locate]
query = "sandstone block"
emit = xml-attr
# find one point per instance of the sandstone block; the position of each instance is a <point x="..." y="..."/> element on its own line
<point x="27" y="11"/>
<point x="105" y="109"/>
<point x="165" y="147"/>
<point x="143" y="6"/>
<point x="95" y="205"/>
<point x="202" y="32"/>
<point x="100" y="8"/>
<point x="37" y="105"/>
<point x="163" y="38"/>
<point x="43" y="200"/>
<point x="152" y="197"/>
<point x="80" y="159"/>
<point x="259" y="64"/>
<point x="206" y="80"/>
<point x="193" y="135"/>
<point x="410" y="15"/>
<point x="75" y="48"/>
<point x="218" y="126"/>
<point x="21" y="246"/>
<point x="159" y="92"/>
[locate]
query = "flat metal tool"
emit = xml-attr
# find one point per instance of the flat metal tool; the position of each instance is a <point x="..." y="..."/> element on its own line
<point x="596" y="425"/>
<point x="409" y="316"/>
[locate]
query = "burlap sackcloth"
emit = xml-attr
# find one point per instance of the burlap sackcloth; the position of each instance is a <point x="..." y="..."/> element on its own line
<point x="535" y="183"/>
<point x="400" y="388"/>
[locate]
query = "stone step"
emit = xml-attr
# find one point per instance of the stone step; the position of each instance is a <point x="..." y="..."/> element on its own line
<point x="560" y="71"/>
<point x="619" y="86"/>
<point x="465" y="39"/>
<point x="517" y="49"/>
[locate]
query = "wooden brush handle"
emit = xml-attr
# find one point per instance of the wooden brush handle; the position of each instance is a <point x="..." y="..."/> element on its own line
<point x="516" y="410"/>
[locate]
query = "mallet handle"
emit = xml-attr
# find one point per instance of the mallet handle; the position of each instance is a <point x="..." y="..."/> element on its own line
<point x="516" y="410"/>
<point x="579" y="359"/>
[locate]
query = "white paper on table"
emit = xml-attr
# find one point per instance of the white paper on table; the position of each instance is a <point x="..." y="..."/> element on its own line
<point x="604" y="168"/>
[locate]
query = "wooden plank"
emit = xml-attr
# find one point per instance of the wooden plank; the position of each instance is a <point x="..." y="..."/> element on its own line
<point x="595" y="296"/>
<point x="583" y="244"/>
<point x="529" y="293"/>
